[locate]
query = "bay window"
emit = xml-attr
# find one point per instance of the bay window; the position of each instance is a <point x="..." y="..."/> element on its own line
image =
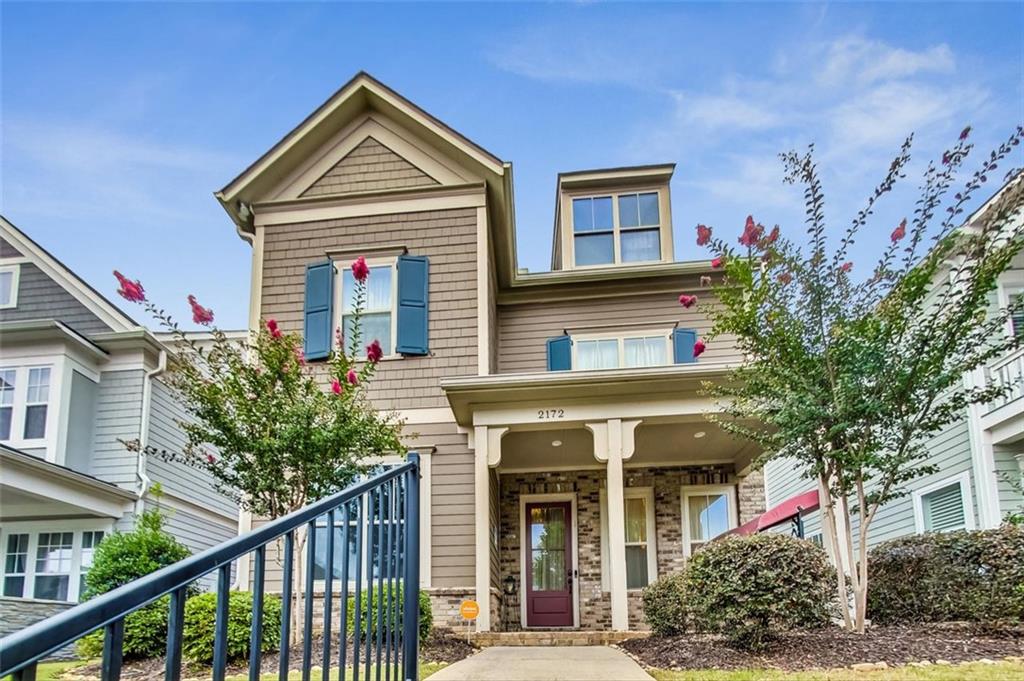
<point x="8" y="378"/>
<point x="24" y="404"/>
<point x="15" y="564"/>
<point x="36" y="403"/>
<point x="53" y="565"/>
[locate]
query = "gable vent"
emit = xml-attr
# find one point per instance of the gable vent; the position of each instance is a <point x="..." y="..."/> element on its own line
<point x="944" y="509"/>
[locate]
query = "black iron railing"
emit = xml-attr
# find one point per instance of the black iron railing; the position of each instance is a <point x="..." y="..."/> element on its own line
<point x="378" y="519"/>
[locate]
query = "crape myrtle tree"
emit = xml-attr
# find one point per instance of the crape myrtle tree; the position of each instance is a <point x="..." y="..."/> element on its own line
<point x="849" y="374"/>
<point x="273" y="433"/>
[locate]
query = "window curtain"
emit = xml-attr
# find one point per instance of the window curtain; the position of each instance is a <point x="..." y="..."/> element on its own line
<point x="644" y="352"/>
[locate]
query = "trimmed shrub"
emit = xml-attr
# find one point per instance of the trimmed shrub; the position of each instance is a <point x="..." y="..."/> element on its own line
<point x="123" y="557"/>
<point x="751" y="588"/>
<point x="426" y="622"/>
<point x="665" y="606"/>
<point x="949" y="576"/>
<point x="201" y="618"/>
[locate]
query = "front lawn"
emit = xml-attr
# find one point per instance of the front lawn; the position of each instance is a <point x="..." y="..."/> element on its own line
<point x="973" y="671"/>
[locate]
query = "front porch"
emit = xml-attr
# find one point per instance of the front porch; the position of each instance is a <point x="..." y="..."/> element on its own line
<point x="610" y="492"/>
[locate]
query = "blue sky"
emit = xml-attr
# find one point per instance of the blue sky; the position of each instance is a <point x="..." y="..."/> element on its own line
<point x="119" y="121"/>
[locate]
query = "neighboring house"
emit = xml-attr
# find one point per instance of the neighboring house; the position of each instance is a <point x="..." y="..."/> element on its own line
<point x="567" y="460"/>
<point x="77" y="375"/>
<point x="979" y="458"/>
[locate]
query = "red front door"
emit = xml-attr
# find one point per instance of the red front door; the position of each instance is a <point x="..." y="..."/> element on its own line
<point x="548" y="575"/>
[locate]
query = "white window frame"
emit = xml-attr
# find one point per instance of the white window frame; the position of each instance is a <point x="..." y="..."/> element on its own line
<point x="687" y="491"/>
<point x="966" y="498"/>
<point x="15" y="271"/>
<point x="33" y="529"/>
<point x="20" y="408"/>
<point x="339" y="299"/>
<point x="45" y="403"/>
<point x="621" y="337"/>
<point x="614" y="194"/>
<point x="647" y="494"/>
<point x="1011" y="283"/>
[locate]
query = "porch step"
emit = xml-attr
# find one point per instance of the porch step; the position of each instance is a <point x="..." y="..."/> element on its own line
<point x="485" y="639"/>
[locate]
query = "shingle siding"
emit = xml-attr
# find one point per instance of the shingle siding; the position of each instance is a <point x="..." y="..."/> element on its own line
<point x="39" y="297"/>
<point x="447" y="237"/>
<point x="369" y="166"/>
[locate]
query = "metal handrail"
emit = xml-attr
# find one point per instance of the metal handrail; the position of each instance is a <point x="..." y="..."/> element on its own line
<point x="20" y="651"/>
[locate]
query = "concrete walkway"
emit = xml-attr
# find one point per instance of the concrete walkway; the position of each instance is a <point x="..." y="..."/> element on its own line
<point x="545" y="663"/>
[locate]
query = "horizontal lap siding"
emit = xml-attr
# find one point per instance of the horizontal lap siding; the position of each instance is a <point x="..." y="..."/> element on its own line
<point x="369" y="166"/>
<point x="118" y="417"/>
<point x="40" y="297"/>
<point x="447" y="237"/>
<point x="523" y="328"/>
<point x="177" y="478"/>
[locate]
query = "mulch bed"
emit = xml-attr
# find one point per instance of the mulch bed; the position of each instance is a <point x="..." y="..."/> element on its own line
<point x="440" y="646"/>
<point x="833" y="647"/>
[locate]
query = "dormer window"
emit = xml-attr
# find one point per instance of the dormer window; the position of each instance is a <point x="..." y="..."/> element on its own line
<point x="617" y="217"/>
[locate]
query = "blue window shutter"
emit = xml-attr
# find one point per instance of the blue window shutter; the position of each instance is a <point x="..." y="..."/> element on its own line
<point x="559" y="353"/>
<point x="317" y="312"/>
<point x="683" y="341"/>
<point x="413" y="284"/>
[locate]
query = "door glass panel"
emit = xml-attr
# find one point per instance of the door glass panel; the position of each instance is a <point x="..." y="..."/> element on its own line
<point x="709" y="516"/>
<point x="547" y="542"/>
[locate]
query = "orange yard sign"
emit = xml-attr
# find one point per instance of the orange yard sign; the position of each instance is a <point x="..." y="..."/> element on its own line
<point x="469" y="610"/>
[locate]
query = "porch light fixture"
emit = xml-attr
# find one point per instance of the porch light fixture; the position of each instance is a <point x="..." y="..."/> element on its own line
<point x="556" y="443"/>
<point x="699" y="434"/>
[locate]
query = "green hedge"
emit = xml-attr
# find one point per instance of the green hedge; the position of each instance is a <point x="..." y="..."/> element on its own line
<point x="200" y="622"/>
<point x="949" y="576"/>
<point x="426" y="622"/>
<point x="750" y="588"/>
<point x="665" y="605"/>
<point x="145" y="634"/>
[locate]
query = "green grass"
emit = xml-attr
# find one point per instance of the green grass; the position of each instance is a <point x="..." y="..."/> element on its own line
<point x="51" y="671"/>
<point x="974" y="671"/>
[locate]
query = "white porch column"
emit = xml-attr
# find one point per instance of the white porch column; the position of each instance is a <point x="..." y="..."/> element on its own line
<point x="613" y="444"/>
<point x="487" y="444"/>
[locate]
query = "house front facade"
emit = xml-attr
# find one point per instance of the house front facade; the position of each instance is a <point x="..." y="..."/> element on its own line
<point x="567" y="458"/>
<point x="78" y="378"/>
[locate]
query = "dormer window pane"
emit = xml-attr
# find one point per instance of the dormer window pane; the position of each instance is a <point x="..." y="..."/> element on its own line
<point x="629" y="211"/>
<point x="592" y="214"/>
<point x="595" y="249"/>
<point x="649" y="215"/>
<point x="641" y="245"/>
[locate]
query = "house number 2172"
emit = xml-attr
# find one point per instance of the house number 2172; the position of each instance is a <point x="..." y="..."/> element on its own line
<point x="550" y="414"/>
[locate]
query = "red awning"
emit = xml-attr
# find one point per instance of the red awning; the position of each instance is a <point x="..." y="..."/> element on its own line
<point x="798" y="505"/>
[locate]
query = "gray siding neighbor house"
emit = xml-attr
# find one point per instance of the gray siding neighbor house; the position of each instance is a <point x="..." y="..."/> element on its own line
<point x="77" y="376"/>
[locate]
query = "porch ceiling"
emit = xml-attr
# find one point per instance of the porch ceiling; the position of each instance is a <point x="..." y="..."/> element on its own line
<point x="657" y="444"/>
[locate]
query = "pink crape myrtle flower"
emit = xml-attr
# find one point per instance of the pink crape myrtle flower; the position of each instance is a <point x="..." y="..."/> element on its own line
<point x="131" y="291"/>
<point x="846" y="267"/>
<point x="200" y="315"/>
<point x="351" y="377"/>
<point x="785" y="278"/>
<point x="703" y="235"/>
<point x="687" y="301"/>
<point x="718" y="262"/>
<point x="335" y="386"/>
<point x="964" y="133"/>
<point x="698" y="348"/>
<point x="275" y="332"/>
<point x="360" y="271"/>
<point x="300" y="356"/>
<point x="751" y="232"/>
<point x="773" y="236"/>
<point x="374" y="352"/>
<point x="210" y="458"/>
<point x="900" y="231"/>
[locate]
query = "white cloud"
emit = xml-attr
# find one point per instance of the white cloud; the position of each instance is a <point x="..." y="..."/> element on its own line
<point x="853" y="59"/>
<point x="713" y="112"/>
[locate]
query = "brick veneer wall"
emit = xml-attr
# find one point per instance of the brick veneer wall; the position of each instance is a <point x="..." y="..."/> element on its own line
<point x="594" y="604"/>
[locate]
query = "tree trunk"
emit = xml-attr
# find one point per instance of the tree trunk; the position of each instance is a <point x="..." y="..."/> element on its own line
<point x="829" y="518"/>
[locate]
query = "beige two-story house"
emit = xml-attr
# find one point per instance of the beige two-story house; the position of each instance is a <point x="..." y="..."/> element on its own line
<point x="567" y="460"/>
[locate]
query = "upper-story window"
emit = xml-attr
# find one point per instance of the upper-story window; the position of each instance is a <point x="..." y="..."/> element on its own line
<point x="379" y="318"/>
<point x="620" y="228"/>
<point x="9" y="275"/>
<point x="628" y="350"/>
<point x="24" y="403"/>
<point x="1017" y="318"/>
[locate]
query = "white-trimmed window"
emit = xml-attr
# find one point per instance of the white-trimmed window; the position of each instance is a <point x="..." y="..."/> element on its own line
<point x="9" y="279"/>
<point x="616" y="228"/>
<point x="1017" y="318"/>
<point x="641" y="545"/>
<point x="8" y="383"/>
<point x="37" y="400"/>
<point x="45" y="564"/>
<point x="379" y="319"/>
<point x="708" y="511"/>
<point x="945" y="505"/>
<point x="627" y="350"/>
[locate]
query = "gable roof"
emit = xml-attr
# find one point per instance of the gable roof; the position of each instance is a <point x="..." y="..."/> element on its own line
<point x="77" y="287"/>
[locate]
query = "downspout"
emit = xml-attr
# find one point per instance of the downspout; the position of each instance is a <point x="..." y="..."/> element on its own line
<point x="147" y="398"/>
